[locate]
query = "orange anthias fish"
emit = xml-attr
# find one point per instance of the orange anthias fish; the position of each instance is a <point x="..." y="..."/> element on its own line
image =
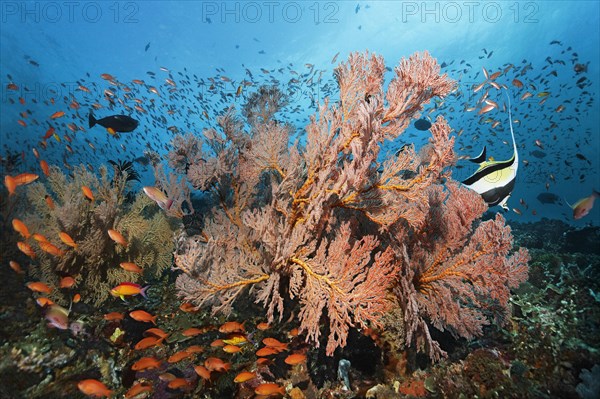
<point x="67" y="282"/>
<point x="49" y="202"/>
<point x="26" y="249"/>
<point x="131" y="267"/>
<point x="49" y="133"/>
<point x="178" y="356"/>
<point x="263" y="326"/>
<point x="51" y="248"/>
<point x="203" y="372"/>
<point x="57" y="114"/>
<point x="45" y="167"/>
<point x="117" y="237"/>
<point x="25" y="178"/>
<point x="582" y="207"/>
<point x="39" y="238"/>
<point x="39" y="286"/>
<point x="64" y="237"/>
<point x="244" y="376"/>
<point x="114" y="316"/>
<point x="146" y="363"/>
<point x="87" y="192"/>
<point x="188" y="307"/>
<point x="21" y="228"/>
<point x="94" y="388"/>
<point x="16" y="267"/>
<point x="148" y="342"/>
<point x="231" y="348"/>
<point x="194" y="349"/>
<point x="216" y="364"/>
<point x="143" y="316"/>
<point x="43" y="301"/>
<point x="267" y="351"/>
<point x="275" y="344"/>
<point x="157" y="332"/>
<point x="129" y="289"/>
<point x="192" y="331"/>
<point x="11" y="184"/>
<point x="137" y="389"/>
<point x="295" y="358"/>
<point x="178" y="383"/>
<point x="269" y="388"/>
<point x="232" y="326"/>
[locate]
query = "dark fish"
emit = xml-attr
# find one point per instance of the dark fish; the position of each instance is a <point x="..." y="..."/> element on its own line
<point x="582" y="157"/>
<point x="404" y="148"/>
<point x="147" y="46"/>
<point x="114" y="123"/>
<point x="422" y="124"/>
<point x="538" y="154"/>
<point x="579" y="68"/>
<point x="549" y="198"/>
<point x="142" y="160"/>
<point x="580" y="80"/>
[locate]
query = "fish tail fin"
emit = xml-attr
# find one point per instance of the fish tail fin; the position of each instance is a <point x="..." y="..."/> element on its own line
<point x="567" y="202"/>
<point x="91" y="120"/>
<point x="143" y="291"/>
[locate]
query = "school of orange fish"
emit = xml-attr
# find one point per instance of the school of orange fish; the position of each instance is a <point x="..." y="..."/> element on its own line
<point x="234" y="340"/>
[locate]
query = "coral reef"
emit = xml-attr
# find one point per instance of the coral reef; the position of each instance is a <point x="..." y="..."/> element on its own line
<point x="332" y="229"/>
<point x="94" y="262"/>
<point x="388" y="263"/>
<point x="451" y="257"/>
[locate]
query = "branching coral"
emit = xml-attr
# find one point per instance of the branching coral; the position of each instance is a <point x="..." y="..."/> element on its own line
<point x="94" y="263"/>
<point x="285" y="217"/>
<point x="456" y="272"/>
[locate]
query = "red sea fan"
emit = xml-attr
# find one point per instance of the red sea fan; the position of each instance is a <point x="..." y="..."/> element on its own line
<point x="457" y="269"/>
<point x="284" y="218"/>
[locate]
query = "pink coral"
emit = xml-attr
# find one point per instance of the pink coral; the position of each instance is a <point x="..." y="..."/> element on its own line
<point x="330" y="227"/>
<point x="455" y="268"/>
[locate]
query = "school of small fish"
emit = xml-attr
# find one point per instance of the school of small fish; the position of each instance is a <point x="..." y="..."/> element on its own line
<point x="553" y="95"/>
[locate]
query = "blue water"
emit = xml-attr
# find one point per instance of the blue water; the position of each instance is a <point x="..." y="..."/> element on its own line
<point x="48" y="49"/>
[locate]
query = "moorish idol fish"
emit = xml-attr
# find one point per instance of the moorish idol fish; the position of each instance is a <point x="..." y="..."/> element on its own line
<point x="495" y="180"/>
